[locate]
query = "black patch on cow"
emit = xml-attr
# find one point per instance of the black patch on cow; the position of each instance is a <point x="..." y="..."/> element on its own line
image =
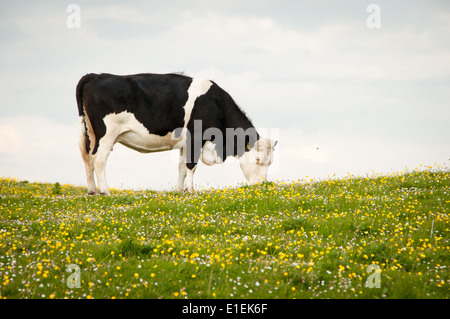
<point x="217" y="109"/>
<point x="155" y="100"/>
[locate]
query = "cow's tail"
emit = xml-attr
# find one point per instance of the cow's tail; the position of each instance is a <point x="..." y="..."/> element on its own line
<point x="86" y="132"/>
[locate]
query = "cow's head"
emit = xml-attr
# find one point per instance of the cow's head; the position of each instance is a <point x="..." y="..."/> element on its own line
<point x="255" y="162"/>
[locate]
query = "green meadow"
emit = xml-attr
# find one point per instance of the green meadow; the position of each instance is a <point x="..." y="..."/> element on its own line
<point x="379" y="236"/>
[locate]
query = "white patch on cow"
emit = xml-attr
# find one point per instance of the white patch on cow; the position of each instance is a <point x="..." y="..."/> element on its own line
<point x="197" y="88"/>
<point x="127" y="130"/>
<point x="209" y="154"/>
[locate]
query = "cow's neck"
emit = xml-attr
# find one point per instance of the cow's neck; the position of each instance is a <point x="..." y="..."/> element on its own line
<point x="237" y="120"/>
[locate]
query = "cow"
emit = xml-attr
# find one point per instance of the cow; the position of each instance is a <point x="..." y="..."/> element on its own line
<point x="159" y="112"/>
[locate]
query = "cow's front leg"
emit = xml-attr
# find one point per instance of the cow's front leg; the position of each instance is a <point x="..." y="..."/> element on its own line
<point x="190" y="178"/>
<point x="193" y="151"/>
<point x="182" y="171"/>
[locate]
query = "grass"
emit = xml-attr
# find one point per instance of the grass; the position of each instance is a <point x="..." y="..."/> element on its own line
<point x="303" y="239"/>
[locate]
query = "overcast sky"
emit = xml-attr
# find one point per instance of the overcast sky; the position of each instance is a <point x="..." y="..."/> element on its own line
<point x="342" y="96"/>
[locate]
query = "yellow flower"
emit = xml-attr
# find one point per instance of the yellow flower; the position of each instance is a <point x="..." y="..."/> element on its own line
<point x="193" y="276"/>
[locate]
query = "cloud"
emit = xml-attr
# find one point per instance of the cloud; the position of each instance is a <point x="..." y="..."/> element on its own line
<point x="36" y="148"/>
<point x="343" y="97"/>
<point x="324" y="154"/>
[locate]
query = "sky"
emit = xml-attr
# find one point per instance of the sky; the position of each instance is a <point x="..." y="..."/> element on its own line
<point x="346" y="89"/>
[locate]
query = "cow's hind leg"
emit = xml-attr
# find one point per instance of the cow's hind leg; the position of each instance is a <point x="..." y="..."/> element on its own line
<point x="100" y="158"/>
<point x="89" y="166"/>
<point x="84" y="145"/>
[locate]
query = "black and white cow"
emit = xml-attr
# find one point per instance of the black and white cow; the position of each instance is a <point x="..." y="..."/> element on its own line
<point x="160" y="112"/>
